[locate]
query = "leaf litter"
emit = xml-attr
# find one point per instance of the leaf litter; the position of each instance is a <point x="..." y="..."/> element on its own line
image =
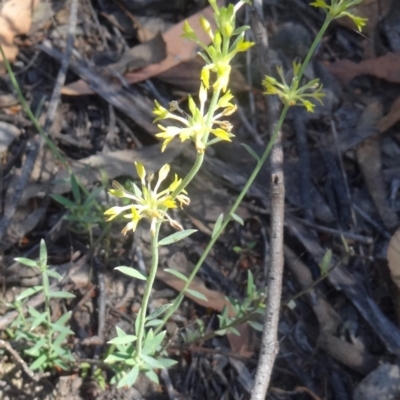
<point x="346" y="321"/>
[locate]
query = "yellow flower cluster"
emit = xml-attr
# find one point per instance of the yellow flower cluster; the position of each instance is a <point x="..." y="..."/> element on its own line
<point x="147" y="202"/>
<point x="340" y="8"/>
<point x="195" y="125"/>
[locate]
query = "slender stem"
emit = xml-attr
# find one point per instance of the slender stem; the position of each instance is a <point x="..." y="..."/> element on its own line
<point x="313" y="47"/>
<point x="200" y="156"/>
<point x="48" y="313"/>
<point x="29" y="112"/>
<point x="239" y="199"/>
<point x="147" y="292"/>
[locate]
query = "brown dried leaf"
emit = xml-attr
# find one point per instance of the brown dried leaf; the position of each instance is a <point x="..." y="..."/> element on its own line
<point x="178" y="50"/>
<point x="373" y="10"/>
<point x="386" y="67"/>
<point x="391" y="118"/>
<point x="15" y="19"/>
<point x="393" y="257"/>
<point x="216" y="300"/>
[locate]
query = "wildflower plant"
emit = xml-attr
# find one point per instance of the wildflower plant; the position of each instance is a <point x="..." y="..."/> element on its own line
<point x="205" y="124"/>
<point x="44" y="339"/>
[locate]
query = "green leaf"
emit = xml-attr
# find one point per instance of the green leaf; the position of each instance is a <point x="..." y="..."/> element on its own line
<point x="127" y="339"/>
<point x="39" y="362"/>
<point x="92" y="196"/>
<point x="159" y="311"/>
<point x="151" y="343"/>
<point x="120" y="332"/>
<point x="59" y="341"/>
<point x="176" y="237"/>
<point x="61" y="295"/>
<point x="217" y="225"/>
<point x="132" y="272"/>
<point x="196" y="294"/>
<point x="27" y="262"/>
<point x="237" y="219"/>
<point x="38" y="320"/>
<point x="152" y="376"/>
<point x="53" y="274"/>
<point x="151" y="362"/>
<point x="33" y="351"/>
<point x="176" y="273"/>
<point x="114" y="358"/>
<point x="153" y="322"/>
<point x="29" y="292"/>
<point x="256" y="325"/>
<point x="251" y="152"/>
<point x="326" y="262"/>
<point x="166" y="362"/>
<point x="132" y="375"/>
<point x="250" y="283"/>
<point x="63" y="201"/>
<point x="75" y="188"/>
<point x="64" y="318"/>
<point x="43" y="255"/>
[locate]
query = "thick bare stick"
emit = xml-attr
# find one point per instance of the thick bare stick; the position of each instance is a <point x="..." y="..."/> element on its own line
<point x="270" y="345"/>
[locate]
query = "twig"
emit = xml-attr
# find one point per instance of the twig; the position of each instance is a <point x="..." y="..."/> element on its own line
<point x="35" y="377"/>
<point x="269" y="345"/>
<point x="349" y="235"/>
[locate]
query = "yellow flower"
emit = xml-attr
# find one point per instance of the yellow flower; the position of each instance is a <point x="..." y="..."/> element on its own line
<point x="195" y="125"/>
<point x="340" y="8"/>
<point x="147" y="202"/>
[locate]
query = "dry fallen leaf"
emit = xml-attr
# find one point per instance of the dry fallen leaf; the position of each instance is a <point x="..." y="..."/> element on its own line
<point x="178" y="50"/>
<point x="215" y="300"/>
<point x="386" y="67"/>
<point x="391" y="118"/>
<point x="15" y="19"/>
<point x="393" y="257"/>
<point x="373" y="10"/>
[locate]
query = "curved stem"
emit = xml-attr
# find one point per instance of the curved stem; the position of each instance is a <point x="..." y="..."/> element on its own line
<point x="200" y="156"/>
<point x="239" y="199"/>
<point x="313" y="47"/>
<point x="147" y="292"/>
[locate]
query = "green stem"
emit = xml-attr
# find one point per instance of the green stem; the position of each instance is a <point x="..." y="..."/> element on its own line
<point x="313" y="47"/>
<point x="200" y="156"/>
<point x="48" y="314"/>
<point x="147" y="292"/>
<point x="239" y="199"/>
<point x="29" y="112"/>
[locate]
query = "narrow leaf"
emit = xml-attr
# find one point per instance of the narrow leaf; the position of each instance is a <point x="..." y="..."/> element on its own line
<point x="176" y="237"/>
<point x="43" y="254"/>
<point x="217" y="225"/>
<point x="75" y="188"/>
<point x="29" y="292"/>
<point x="27" y="262"/>
<point x="128" y="339"/>
<point x="63" y="201"/>
<point x="132" y="375"/>
<point x="132" y="272"/>
<point x="159" y="311"/>
<point x="178" y="274"/>
<point x="61" y="295"/>
<point x="38" y="362"/>
<point x="237" y="219"/>
<point x="326" y="262"/>
<point x="53" y="274"/>
<point x="251" y="152"/>
<point x="196" y="294"/>
<point x="256" y="325"/>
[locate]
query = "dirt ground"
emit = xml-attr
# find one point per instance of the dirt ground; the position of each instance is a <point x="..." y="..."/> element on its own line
<point x="339" y="324"/>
